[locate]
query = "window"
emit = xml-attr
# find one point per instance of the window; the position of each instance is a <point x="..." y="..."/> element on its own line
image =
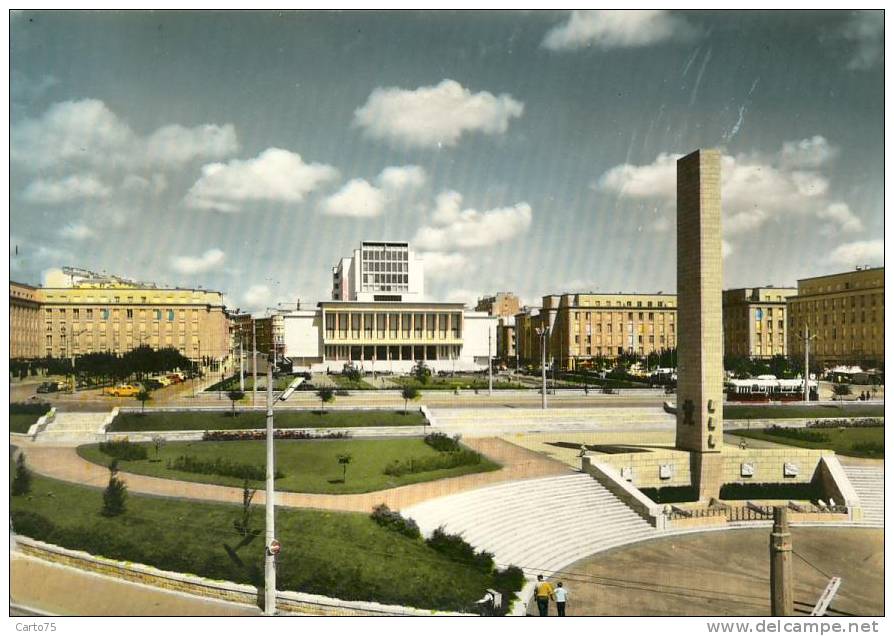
<point x="158" y="314"/>
<point x="130" y="313"/>
<point x="105" y="314"/>
<point x="170" y="315"/>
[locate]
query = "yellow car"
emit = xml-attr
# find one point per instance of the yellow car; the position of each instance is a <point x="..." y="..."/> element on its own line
<point x="124" y="390"/>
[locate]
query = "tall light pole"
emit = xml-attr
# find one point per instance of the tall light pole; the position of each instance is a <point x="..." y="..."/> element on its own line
<point x="807" y="338"/>
<point x="490" y="365"/>
<point x="543" y="332"/>
<point x="254" y="360"/>
<point x="241" y="365"/>
<point x="272" y="547"/>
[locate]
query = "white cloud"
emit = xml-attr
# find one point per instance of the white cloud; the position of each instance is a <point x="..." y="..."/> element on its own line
<point x="196" y="264"/>
<point x="274" y="175"/>
<point x="755" y="189"/>
<point x="605" y="29"/>
<point x="357" y="198"/>
<point x="725" y="248"/>
<point x="257" y="297"/>
<point x="154" y="184"/>
<point x="453" y="228"/>
<point x="75" y="187"/>
<point x="859" y="253"/>
<point x="77" y="231"/>
<point x="87" y="132"/>
<point x="431" y="116"/>
<point x="866" y="30"/>
<point x="400" y="178"/>
<point x="465" y="296"/>
<point x="441" y="265"/>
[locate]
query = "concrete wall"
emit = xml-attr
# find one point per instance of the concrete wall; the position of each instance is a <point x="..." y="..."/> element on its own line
<point x="476" y="326"/>
<point x="303" y="334"/>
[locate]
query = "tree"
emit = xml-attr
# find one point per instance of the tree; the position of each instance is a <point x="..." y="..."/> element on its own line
<point x="840" y="390"/>
<point x="351" y="372"/>
<point x="114" y="497"/>
<point x="158" y="441"/>
<point x="21" y="481"/>
<point x="235" y="395"/>
<point x="409" y="393"/>
<point x="421" y="372"/>
<point x="143" y="396"/>
<point x="326" y="395"/>
<point x="344" y="459"/>
<point x="243" y="523"/>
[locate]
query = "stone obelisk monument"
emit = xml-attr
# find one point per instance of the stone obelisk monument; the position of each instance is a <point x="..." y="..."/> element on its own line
<point x="699" y="319"/>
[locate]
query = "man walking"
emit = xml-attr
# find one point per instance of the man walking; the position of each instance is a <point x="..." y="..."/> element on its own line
<point x="561" y="596"/>
<point x="543" y="592"/>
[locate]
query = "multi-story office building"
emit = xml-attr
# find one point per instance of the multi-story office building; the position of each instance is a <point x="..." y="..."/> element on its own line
<point x="24" y="321"/>
<point x="379" y="321"/>
<point x="845" y="315"/>
<point x="581" y="327"/>
<point x="384" y="271"/>
<point x="504" y="305"/>
<point x="754" y="321"/>
<point x="84" y="312"/>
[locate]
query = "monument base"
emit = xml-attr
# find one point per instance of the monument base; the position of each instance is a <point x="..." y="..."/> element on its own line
<point x="707" y="474"/>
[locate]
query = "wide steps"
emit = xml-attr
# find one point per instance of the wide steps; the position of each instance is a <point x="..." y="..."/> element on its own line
<point x="869" y="482"/>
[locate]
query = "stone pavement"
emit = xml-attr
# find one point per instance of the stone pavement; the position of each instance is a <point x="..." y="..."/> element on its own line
<point x="518" y="463"/>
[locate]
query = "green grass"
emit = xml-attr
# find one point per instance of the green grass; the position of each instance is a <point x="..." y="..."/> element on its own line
<point x="343" y="555"/>
<point x="279" y="384"/>
<point x="21" y="423"/>
<point x="751" y="412"/>
<point x="449" y="383"/>
<point x="868" y="441"/>
<point x="342" y="382"/>
<point x="23" y="416"/>
<point x="224" y="420"/>
<point x="310" y="466"/>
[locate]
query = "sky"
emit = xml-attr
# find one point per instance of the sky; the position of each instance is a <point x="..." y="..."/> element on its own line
<point x="531" y="152"/>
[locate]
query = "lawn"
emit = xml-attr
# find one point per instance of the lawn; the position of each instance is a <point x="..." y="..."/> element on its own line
<point x="224" y="420"/>
<point x="310" y="466"/>
<point x="753" y="412"/>
<point x="449" y="383"/>
<point x="863" y="441"/>
<point x="23" y="416"/>
<point x="343" y="555"/>
<point x="343" y="382"/>
<point x="280" y="383"/>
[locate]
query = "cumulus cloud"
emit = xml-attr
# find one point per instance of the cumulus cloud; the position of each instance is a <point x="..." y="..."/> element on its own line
<point x="755" y="189"/>
<point x="441" y="265"/>
<point x="196" y="264"/>
<point x="77" y="231"/>
<point x="75" y="187"/>
<point x="725" y="248"/>
<point x="859" y="253"/>
<point x="606" y="29"/>
<point x="865" y="30"/>
<point x="431" y="116"/>
<point x="456" y="228"/>
<point x="359" y="198"/>
<point x="87" y="132"/>
<point x="274" y="175"/>
<point x="257" y="297"/>
<point x="154" y="184"/>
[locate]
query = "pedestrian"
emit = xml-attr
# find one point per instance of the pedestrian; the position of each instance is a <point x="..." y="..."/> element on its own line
<point x="543" y="592"/>
<point x="561" y="596"/>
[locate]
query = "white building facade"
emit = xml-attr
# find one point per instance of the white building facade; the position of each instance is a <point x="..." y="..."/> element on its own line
<point x="387" y="271"/>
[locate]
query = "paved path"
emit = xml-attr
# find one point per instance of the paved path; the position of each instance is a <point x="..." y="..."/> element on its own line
<point x="66" y="465"/>
<point x="65" y="591"/>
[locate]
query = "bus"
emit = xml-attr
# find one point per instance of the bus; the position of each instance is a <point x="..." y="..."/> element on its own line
<point x="767" y="388"/>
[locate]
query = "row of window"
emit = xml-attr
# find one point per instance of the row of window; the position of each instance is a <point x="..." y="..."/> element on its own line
<point x="105" y="314"/>
<point x="641" y="315"/>
<point x="629" y="303"/>
<point x="835" y="303"/>
<point x="386" y="266"/>
<point x="405" y="324"/>
<point x="617" y="340"/>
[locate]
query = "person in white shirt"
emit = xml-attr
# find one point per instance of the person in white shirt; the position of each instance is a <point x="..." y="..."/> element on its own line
<point x="561" y="596"/>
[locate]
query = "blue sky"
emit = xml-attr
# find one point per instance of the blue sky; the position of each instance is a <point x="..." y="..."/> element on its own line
<point x="523" y="151"/>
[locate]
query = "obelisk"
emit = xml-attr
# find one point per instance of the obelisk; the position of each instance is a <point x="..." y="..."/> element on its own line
<point x="699" y="319"/>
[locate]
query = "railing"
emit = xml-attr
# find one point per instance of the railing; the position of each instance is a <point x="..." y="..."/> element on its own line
<point x="748" y="512"/>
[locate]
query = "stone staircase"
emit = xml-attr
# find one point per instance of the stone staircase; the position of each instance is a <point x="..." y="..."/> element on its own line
<point x="869" y="482"/>
<point x="541" y="525"/>
<point x="71" y="427"/>
<point x="493" y="421"/>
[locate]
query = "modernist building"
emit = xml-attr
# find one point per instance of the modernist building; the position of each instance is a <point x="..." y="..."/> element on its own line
<point x="385" y="271"/>
<point x="504" y="305"/>
<point x="845" y="314"/>
<point x="754" y="321"/>
<point x="85" y="312"/>
<point x="380" y="321"/>
<point x="24" y="321"/>
<point x="585" y="326"/>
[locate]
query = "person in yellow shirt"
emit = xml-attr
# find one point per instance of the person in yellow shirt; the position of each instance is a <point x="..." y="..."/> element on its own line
<point x="543" y="592"/>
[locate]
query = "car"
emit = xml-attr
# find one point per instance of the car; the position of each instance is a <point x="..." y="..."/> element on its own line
<point x="124" y="390"/>
<point x="48" y="387"/>
<point x="163" y="380"/>
<point x="175" y="378"/>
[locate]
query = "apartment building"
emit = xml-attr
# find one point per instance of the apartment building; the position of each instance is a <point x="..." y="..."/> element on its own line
<point x="845" y="315"/>
<point x="754" y="321"/>
<point x="503" y="305"/>
<point x="581" y="327"/>
<point x="24" y="321"/>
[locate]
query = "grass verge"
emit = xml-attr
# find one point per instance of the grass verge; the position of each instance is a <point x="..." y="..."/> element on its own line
<point x="868" y="441"/>
<point x="224" y="420"/>
<point x="781" y="411"/>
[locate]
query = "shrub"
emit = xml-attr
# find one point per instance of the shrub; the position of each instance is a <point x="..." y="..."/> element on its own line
<point x="443" y="442"/>
<point x="124" y="449"/>
<point x="861" y="422"/>
<point x="800" y="434"/>
<point x="872" y="449"/>
<point x="414" y="465"/>
<point x="21" y="481"/>
<point x="393" y="520"/>
<point x="114" y="497"/>
<point x="455" y="548"/>
<point x="222" y="467"/>
<point x="671" y="494"/>
<point x="38" y="408"/>
<point x="239" y="436"/>
<point x="508" y="580"/>
<point x="32" y="525"/>
<point x="806" y="491"/>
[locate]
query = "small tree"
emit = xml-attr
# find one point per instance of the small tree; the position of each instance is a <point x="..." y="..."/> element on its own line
<point x="158" y="441"/>
<point x="840" y="390"/>
<point x="235" y="395"/>
<point x="243" y="523"/>
<point x="21" y="481"/>
<point x="409" y="393"/>
<point x="114" y="497"/>
<point x="421" y="372"/>
<point x="144" y="396"/>
<point x="326" y="395"/>
<point x="344" y="459"/>
<point x="351" y="372"/>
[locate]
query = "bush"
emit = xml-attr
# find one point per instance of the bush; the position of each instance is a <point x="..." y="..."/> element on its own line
<point x="671" y="494"/>
<point x="32" y="525"/>
<point x="124" y="450"/>
<point x="872" y="449"/>
<point x="508" y="580"/>
<point x="414" y="465"/>
<point x="21" y="481"/>
<point x="38" y="408"/>
<point x="455" y="548"/>
<point x="239" y="436"/>
<point x="114" y="497"/>
<point x="862" y="422"/>
<point x="443" y="442"/>
<point x="393" y="520"/>
<point x="806" y="491"/>
<point x="800" y="434"/>
<point x="222" y="467"/>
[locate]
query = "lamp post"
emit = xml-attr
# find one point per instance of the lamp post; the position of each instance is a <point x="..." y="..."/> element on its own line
<point x="74" y="377"/>
<point x="254" y="360"/>
<point x="807" y="338"/>
<point x="543" y="332"/>
<point x="272" y="546"/>
<point x="490" y="365"/>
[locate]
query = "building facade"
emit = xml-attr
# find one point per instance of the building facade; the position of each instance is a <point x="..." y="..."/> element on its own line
<point x="24" y="321"/>
<point x="754" y="321"/>
<point x="503" y="305"/>
<point x="845" y="315"/>
<point x="387" y="271"/>
<point x="84" y="312"/>
<point x="581" y="327"/>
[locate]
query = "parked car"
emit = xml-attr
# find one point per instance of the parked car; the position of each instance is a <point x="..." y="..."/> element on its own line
<point x="175" y="378"/>
<point x="124" y="390"/>
<point x="163" y="380"/>
<point x="48" y="387"/>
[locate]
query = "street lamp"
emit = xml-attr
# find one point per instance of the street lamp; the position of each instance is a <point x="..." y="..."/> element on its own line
<point x="806" y="338"/>
<point x="543" y="332"/>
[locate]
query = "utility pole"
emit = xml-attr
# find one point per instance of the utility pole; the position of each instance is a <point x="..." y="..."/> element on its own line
<point x="781" y="599"/>
<point x="254" y="360"/>
<point x="270" y="538"/>
<point x="241" y="365"/>
<point x="807" y="338"/>
<point x="543" y="332"/>
<point x="490" y="365"/>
